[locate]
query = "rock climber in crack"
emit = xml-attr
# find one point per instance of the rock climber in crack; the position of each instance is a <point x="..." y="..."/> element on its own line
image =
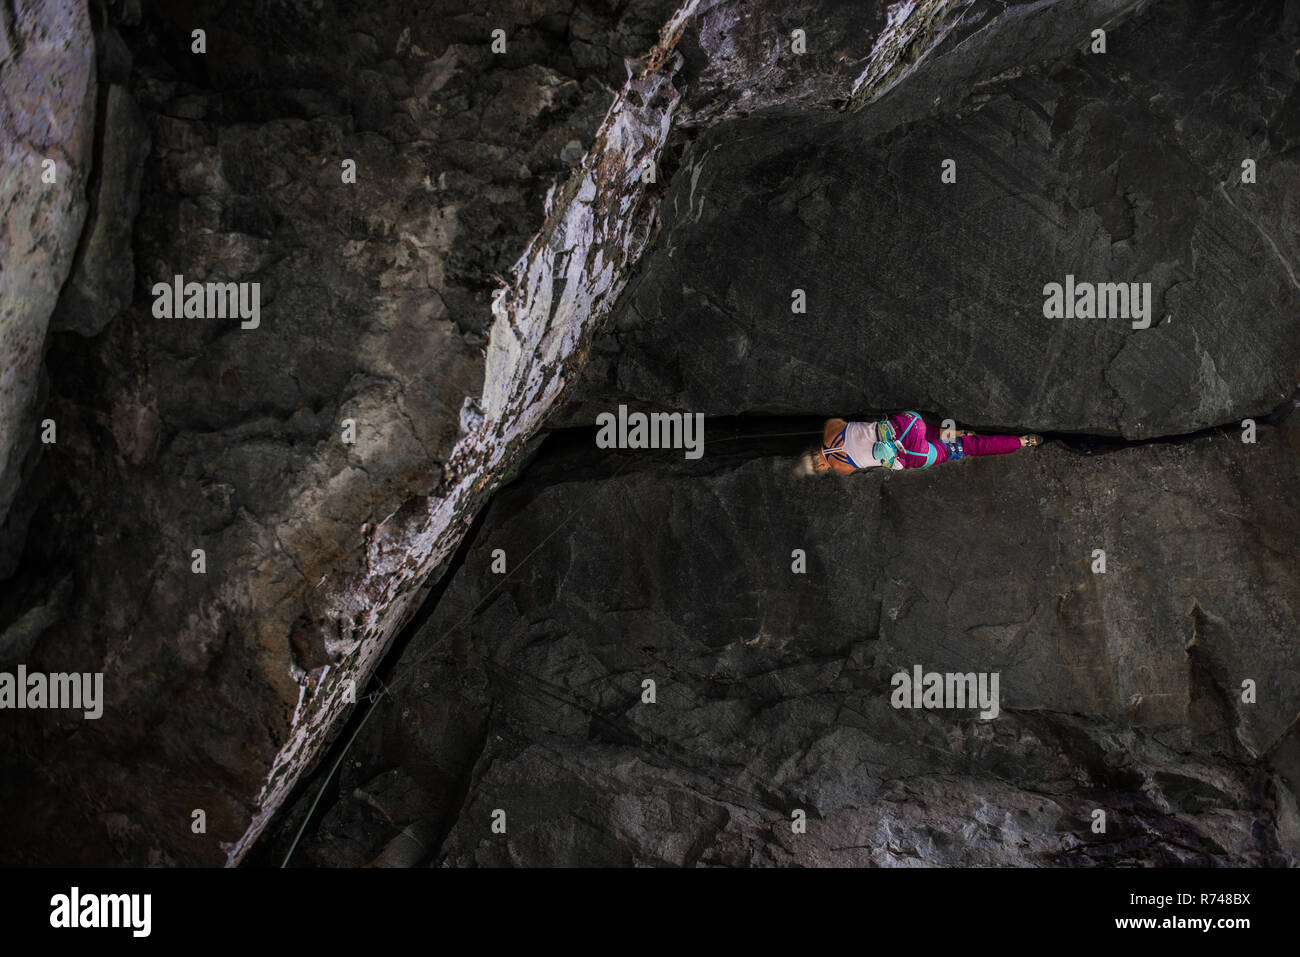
<point x="902" y="441"/>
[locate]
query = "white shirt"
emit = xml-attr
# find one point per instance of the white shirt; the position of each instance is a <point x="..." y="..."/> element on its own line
<point x="859" y="437"/>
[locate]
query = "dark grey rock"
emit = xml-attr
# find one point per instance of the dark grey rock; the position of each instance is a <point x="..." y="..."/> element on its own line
<point x="103" y="276"/>
<point x="1122" y="167"/>
<point x="1119" y="691"/>
<point x="193" y="433"/>
<point x="782" y="172"/>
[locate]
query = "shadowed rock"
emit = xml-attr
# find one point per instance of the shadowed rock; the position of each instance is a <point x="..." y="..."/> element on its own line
<point x="1117" y="167"/>
<point x="185" y="433"/>
<point x="1119" y="691"/>
<point x="192" y="433"/>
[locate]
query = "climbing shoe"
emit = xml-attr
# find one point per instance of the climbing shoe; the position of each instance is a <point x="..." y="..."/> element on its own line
<point x="1033" y="439"/>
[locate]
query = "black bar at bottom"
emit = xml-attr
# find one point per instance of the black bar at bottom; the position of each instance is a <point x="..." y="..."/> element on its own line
<point x="376" y="908"/>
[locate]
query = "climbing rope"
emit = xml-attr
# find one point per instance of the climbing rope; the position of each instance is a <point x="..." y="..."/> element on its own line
<point x="375" y="698"/>
<point x="387" y="690"/>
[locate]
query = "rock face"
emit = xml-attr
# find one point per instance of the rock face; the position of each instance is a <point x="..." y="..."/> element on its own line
<point x="203" y="467"/>
<point x="103" y="278"/>
<point x="1124" y="691"/>
<point x="194" y="433"/>
<point x="236" y="522"/>
<point x="1114" y="167"/>
<point x="1119" y="691"/>
<point x="47" y="120"/>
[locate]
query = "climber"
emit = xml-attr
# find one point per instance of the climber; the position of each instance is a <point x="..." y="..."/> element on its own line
<point x="902" y="441"/>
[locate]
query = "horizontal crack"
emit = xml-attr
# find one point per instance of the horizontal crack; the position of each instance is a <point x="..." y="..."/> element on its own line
<point x="571" y="454"/>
